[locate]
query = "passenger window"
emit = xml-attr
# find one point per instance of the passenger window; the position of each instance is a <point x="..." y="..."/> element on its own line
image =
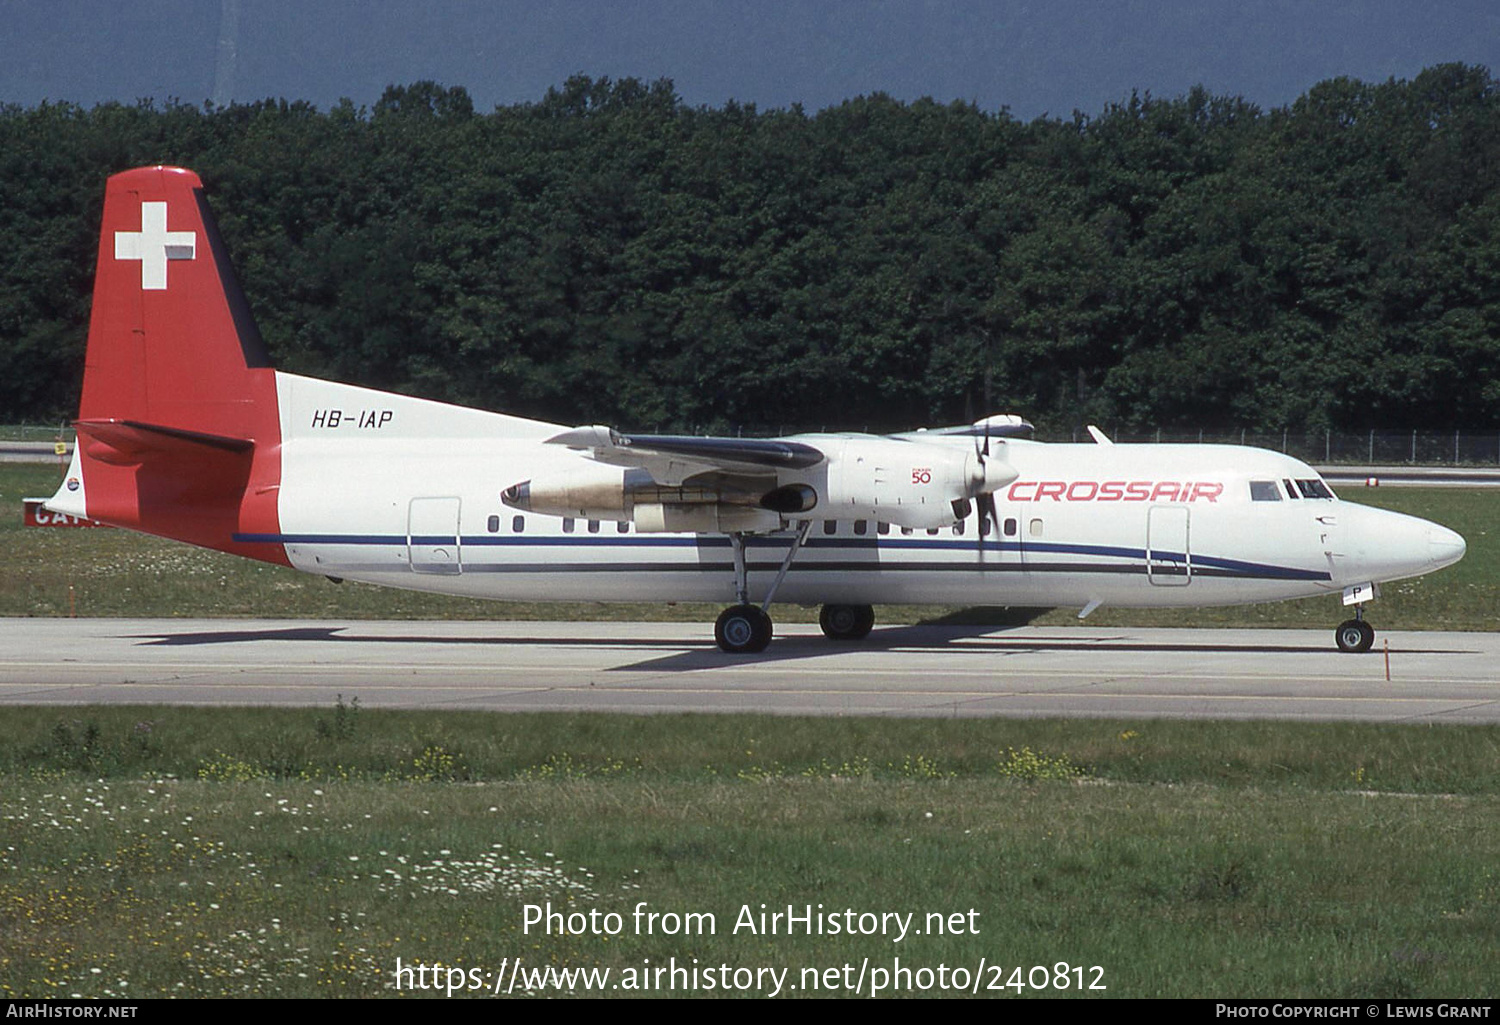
<point x="907" y="531"/>
<point x="859" y="527"/>
<point x="623" y="527"/>
<point x="829" y="526"/>
<point x="593" y="526"/>
<point x="518" y="524"/>
<point x="932" y="532"/>
<point x="567" y="524"/>
<point x="1036" y="528"/>
<point x="493" y="525"/>
<point x="1264" y="491"/>
<point x="882" y="528"/>
<point x="958" y="528"/>
<point x="984" y="526"/>
<point x="1011" y="526"/>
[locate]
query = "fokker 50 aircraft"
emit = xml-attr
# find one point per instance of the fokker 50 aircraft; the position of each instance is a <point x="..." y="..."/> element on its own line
<point x="186" y="431"/>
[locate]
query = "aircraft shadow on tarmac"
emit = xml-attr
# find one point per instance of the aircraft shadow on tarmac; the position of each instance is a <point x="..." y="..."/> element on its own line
<point x="704" y="654"/>
<point x="980" y="640"/>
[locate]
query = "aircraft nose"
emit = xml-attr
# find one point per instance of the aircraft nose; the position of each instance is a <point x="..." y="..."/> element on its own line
<point x="1446" y="546"/>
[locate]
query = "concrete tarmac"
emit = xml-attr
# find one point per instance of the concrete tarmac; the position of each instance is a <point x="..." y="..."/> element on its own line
<point x="674" y="667"/>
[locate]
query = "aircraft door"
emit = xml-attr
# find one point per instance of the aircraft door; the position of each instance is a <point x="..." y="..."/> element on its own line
<point x="432" y="538"/>
<point x="1169" y="562"/>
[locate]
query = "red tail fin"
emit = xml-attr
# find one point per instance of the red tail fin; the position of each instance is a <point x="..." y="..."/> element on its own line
<point x="178" y="430"/>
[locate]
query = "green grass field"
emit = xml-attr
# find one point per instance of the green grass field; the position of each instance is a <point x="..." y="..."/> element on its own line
<point x="190" y="852"/>
<point x="193" y="852"/>
<point x="116" y="573"/>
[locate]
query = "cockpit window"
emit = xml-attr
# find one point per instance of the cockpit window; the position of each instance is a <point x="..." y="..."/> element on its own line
<point x="1314" y="489"/>
<point x="1291" y="492"/>
<point x="1264" y="491"/>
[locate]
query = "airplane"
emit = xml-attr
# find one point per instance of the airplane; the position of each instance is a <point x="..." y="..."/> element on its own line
<point x="186" y="431"/>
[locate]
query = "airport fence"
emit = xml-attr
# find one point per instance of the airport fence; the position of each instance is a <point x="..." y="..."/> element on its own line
<point x="1371" y="448"/>
<point x="36" y="432"/>
<point x="1350" y="448"/>
<point x="1374" y="447"/>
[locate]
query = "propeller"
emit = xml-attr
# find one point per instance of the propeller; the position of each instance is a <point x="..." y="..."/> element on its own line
<point x="986" y="476"/>
<point x="993" y="474"/>
<point x="989" y="516"/>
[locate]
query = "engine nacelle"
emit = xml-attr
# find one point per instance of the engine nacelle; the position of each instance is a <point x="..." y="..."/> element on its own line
<point x="658" y="517"/>
<point x="908" y="483"/>
<point x="593" y="491"/>
<point x="598" y="491"/>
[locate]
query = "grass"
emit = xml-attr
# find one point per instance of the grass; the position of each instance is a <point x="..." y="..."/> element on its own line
<point x="116" y="573"/>
<point x="171" y="851"/>
<point x="348" y="743"/>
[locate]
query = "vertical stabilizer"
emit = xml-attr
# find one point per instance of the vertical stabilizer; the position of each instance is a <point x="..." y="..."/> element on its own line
<point x="178" y="430"/>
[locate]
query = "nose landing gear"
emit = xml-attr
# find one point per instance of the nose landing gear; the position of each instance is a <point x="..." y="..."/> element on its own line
<point x="1355" y="635"/>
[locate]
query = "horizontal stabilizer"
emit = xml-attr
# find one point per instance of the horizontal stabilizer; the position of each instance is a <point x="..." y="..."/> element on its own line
<point x="126" y="443"/>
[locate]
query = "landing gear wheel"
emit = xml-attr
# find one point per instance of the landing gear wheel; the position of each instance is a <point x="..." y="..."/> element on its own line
<point x="846" y="622"/>
<point x="1354" y="635"/>
<point x="743" y="629"/>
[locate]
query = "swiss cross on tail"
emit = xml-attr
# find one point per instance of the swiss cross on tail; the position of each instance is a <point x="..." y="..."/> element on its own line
<point x="154" y="245"/>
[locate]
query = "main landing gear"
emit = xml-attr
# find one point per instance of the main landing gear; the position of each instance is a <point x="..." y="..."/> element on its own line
<point x="1355" y="635"/>
<point x="747" y="628"/>
<point x="846" y="622"/>
<point x="744" y="628"/>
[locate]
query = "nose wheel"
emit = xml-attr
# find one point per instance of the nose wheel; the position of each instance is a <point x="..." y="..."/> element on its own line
<point x="1354" y="635"/>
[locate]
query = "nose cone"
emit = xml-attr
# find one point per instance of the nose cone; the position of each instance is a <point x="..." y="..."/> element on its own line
<point x="1377" y="544"/>
<point x="1446" y="546"/>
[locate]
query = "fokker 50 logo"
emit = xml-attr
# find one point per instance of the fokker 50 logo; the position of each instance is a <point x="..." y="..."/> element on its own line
<point x="154" y="245"/>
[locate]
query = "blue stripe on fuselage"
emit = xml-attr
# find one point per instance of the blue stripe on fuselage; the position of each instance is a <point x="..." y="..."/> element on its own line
<point x="1226" y="567"/>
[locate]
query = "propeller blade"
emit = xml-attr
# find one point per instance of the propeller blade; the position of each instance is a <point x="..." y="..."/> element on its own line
<point x="989" y="517"/>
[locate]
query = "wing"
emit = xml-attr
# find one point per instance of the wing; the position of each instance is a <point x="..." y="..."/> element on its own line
<point x="1001" y="425"/>
<point x="683" y="483"/>
<point x="671" y="459"/>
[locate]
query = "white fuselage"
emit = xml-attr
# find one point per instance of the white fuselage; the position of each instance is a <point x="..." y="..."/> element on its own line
<point x="405" y="493"/>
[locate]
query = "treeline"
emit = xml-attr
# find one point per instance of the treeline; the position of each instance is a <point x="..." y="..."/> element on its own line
<point x="609" y="254"/>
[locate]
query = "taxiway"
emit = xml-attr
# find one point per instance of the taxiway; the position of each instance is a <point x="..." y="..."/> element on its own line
<point x="674" y="667"/>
